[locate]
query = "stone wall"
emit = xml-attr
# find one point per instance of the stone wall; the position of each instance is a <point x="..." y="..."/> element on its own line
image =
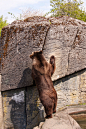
<point x="22" y="108"/>
<point x="1" y="109"/>
<point x="62" y="37"/>
<point x="0" y="53"/>
<point x="19" y="40"/>
<point x="71" y="89"/>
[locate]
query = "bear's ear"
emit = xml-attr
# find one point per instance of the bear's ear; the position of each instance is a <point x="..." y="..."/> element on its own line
<point x="40" y="52"/>
<point x="52" y="60"/>
<point x="32" y="55"/>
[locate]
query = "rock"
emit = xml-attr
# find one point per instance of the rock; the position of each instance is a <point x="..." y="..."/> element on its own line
<point x="21" y="108"/>
<point x="14" y="109"/>
<point x="63" y="37"/>
<point x="63" y="120"/>
<point x="39" y="127"/>
<point x="36" y="127"/>
<point x="66" y="40"/>
<point x="71" y="89"/>
<point x="76" y="109"/>
<point x="19" y="39"/>
<point x="60" y="121"/>
<point x="0" y="53"/>
<point x="1" y="109"/>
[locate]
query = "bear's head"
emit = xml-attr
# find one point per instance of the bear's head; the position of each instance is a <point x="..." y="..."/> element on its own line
<point x="35" y="54"/>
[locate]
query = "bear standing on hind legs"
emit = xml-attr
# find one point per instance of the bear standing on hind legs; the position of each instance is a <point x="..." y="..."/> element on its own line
<point x="41" y="73"/>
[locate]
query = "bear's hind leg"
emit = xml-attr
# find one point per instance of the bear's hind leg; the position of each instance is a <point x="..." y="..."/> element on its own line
<point x="49" y="111"/>
<point x="48" y="116"/>
<point x="55" y="105"/>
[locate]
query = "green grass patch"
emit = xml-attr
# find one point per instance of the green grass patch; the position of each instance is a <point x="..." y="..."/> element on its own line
<point x="82" y="103"/>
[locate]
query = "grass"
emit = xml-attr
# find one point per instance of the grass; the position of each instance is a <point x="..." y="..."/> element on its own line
<point x="82" y="103"/>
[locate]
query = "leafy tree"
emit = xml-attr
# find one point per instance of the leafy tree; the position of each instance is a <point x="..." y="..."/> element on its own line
<point x="2" y="23"/>
<point x="72" y="8"/>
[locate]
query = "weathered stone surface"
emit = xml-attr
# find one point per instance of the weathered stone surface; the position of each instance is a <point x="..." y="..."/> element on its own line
<point x="19" y="40"/>
<point x="14" y="109"/>
<point x="22" y="108"/>
<point x="78" y="113"/>
<point x="66" y="40"/>
<point x="1" y="109"/>
<point x="34" y="109"/>
<point x="59" y="121"/>
<point x="1" y="113"/>
<point x="71" y="89"/>
<point x="31" y="112"/>
<point x="63" y="37"/>
<point x="75" y="109"/>
<point x="0" y="53"/>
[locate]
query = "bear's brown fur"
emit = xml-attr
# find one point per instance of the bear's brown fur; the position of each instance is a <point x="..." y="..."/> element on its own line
<point x="41" y="73"/>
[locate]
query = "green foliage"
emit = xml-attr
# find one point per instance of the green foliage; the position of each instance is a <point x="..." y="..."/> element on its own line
<point x="2" y="23"/>
<point x="72" y="8"/>
<point x="82" y="103"/>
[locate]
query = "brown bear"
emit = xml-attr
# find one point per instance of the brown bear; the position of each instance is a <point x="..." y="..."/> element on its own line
<point x="41" y="73"/>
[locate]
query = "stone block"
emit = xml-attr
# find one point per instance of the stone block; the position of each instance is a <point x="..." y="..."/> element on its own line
<point x="59" y="121"/>
<point x="14" y="109"/>
<point x="1" y="113"/>
<point x="1" y="109"/>
<point x="22" y="108"/>
<point x="66" y="42"/>
<point x="19" y="40"/>
<point x="34" y="109"/>
<point x="62" y="37"/>
<point x="69" y="89"/>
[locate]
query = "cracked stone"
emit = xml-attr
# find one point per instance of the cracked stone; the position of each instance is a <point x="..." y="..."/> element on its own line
<point x="63" y="37"/>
